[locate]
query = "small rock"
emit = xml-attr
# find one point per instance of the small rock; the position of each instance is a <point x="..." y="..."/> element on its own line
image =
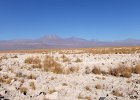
<point x="102" y="98"/>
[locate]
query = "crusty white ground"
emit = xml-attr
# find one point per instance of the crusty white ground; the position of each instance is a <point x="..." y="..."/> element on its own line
<point x="70" y="86"/>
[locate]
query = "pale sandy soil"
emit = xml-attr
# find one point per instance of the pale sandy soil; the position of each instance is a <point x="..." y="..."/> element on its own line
<point x="74" y="86"/>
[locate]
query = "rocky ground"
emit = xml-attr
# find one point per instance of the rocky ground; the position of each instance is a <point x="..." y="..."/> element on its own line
<point x="22" y="79"/>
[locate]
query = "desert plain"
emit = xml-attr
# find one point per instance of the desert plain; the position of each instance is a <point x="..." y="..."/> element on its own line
<point x="109" y="73"/>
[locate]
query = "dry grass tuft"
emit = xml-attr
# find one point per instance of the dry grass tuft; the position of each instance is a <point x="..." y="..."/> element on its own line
<point x="23" y="90"/>
<point x="103" y="78"/>
<point x="88" y="98"/>
<point x="117" y="93"/>
<point x="19" y="74"/>
<point x="51" y="65"/>
<point x="137" y="69"/>
<point x="65" y="84"/>
<point x="35" y="61"/>
<point x="80" y="97"/>
<point x="8" y="81"/>
<point x="53" y="78"/>
<point x="98" y="86"/>
<point x="65" y="59"/>
<point x="2" y="80"/>
<point x="11" y="69"/>
<point x="3" y="57"/>
<point x="126" y="74"/>
<point x="31" y="76"/>
<point x="32" y="85"/>
<point x="32" y="60"/>
<point x="5" y="79"/>
<point x="113" y="50"/>
<point x="22" y="81"/>
<point x="88" y="88"/>
<point x="122" y="71"/>
<point x="71" y="70"/>
<point x="128" y="81"/>
<point x="51" y="91"/>
<point x="78" y="60"/>
<point x="5" y="76"/>
<point x="96" y="70"/>
<point x="37" y="65"/>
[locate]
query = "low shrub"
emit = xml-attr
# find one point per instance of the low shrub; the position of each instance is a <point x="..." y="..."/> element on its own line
<point x="122" y="71"/>
<point x="32" y="60"/>
<point x="78" y="60"/>
<point x="136" y="69"/>
<point x="51" y="65"/>
<point x="96" y="70"/>
<point x="23" y="90"/>
<point x="98" y="86"/>
<point x="32" y="85"/>
<point x="117" y="93"/>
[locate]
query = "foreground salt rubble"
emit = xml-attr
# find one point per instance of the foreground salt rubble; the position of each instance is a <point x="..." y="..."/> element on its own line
<point x="78" y="85"/>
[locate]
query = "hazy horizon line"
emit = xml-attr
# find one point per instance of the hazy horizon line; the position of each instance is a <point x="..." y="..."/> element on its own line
<point x="47" y="35"/>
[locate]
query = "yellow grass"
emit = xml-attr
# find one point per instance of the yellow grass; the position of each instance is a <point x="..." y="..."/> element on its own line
<point x="97" y="50"/>
<point x="117" y="93"/>
<point x="78" y="60"/>
<point x="137" y="69"/>
<point x="31" y="76"/>
<point x="122" y="71"/>
<point x="51" y="65"/>
<point x="32" y="60"/>
<point x="98" y="86"/>
<point x="32" y="85"/>
<point x="23" y="90"/>
<point x="96" y="70"/>
<point x="88" y="88"/>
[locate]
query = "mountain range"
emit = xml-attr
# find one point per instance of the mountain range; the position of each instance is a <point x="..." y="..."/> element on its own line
<point x="54" y="41"/>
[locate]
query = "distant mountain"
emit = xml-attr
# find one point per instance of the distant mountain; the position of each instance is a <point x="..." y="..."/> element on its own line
<point x="54" y="41"/>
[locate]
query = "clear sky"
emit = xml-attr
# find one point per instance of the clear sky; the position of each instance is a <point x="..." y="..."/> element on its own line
<point x="89" y="19"/>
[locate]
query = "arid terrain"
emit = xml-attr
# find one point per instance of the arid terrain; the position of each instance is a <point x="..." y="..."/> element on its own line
<point x="71" y="74"/>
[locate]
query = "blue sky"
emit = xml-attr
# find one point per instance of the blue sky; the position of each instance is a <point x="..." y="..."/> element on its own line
<point x="89" y="19"/>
